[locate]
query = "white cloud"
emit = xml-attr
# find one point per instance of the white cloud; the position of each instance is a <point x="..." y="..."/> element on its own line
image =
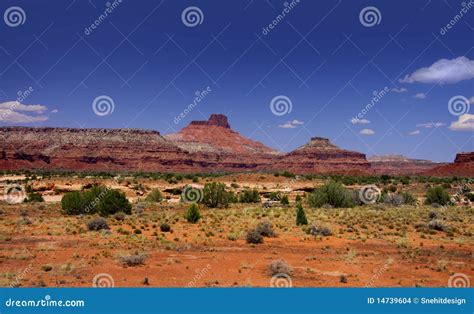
<point x="465" y="122"/>
<point x="443" y="71"/>
<point x="291" y="124"/>
<point x="360" y="121"/>
<point x="16" y="112"/>
<point x="399" y="90"/>
<point x="287" y="125"/>
<point x="416" y="132"/>
<point x="420" y="96"/>
<point x="367" y="132"/>
<point x="430" y="125"/>
<point x="54" y="111"/>
<point x="471" y="100"/>
<point x="17" y="106"/>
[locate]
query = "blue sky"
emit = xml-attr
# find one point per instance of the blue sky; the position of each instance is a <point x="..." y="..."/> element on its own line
<point x="326" y="57"/>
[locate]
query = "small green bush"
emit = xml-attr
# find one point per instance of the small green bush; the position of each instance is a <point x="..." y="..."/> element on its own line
<point x="249" y="196"/>
<point x="300" y="215"/>
<point x="332" y="193"/>
<point x="437" y="195"/>
<point x="165" y="227"/>
<point x="113" y="202"/>
<point x="34" y="197"/>
<point x="284" y="200"/>
<point x="216" y="195"/>
<point x="193" y="215"/>
<point x="154" y="196"/>
<point x="265" y="229"/>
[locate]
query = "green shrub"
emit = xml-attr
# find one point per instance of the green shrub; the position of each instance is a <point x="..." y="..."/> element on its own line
<point x="409" y="198"/>
<point x="216" y="195"/>
<point x="113" y="202"/>
<point x="165" y="227"/>
<point x="298" y="198"/>
<point x="193" y="215"/>
<point x="34" y="197"/>
<point x="332" y="193"/>
<point x="284" y="200"/>
<point x="249" y="196"/>
<point x="274" y="196"/>
<point x="300" y="215"/>
<point x="96" y="200"/>
<point x="154" y="196"/>
<point x="437" y="195"/>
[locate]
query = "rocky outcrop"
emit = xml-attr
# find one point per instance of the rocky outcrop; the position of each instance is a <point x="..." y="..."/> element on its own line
<point x="400" y="165"/>
<point x="321" y="156"/>
<point x="462" y="166"/>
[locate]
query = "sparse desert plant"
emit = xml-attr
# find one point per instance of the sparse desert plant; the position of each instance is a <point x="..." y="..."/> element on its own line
<point x="97" y="224"/>
<point x="298" y="198"/>
<point x="318" y="230"/>
<point x="437" y="195"/>
<point x="249" y="196"/>
<point x="409" y="198"/>
<point x="154" y="196"/>
<point x="193" y="215"/>
<point x="135" y="259"/>
<point x="165" y="227"/>
<point x="120" y="216"/>
<point x="332" y="193"/>
<point x="300" y="215"/>
<point x="438" y="225"/>
<point x="34" y="197"/>
<point x="265" y="229"/>
<point x="279" y="267"/>
<point x="254" y="237"/>
<point x="216" y="195"/>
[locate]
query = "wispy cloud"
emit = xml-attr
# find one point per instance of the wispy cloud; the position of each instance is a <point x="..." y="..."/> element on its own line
<point x="367" y="132"/>
<point x="291" y="124"/>
<point x="443" y="71"/>
<point x="16" y="112"/>
<point x="399" y="90"/>
<point x="465" y="122"/>
<point x="430" y="125"/>
<point x="416" y="132"/>
<point x="360" y="121"/>
<point x="420" y="96"/>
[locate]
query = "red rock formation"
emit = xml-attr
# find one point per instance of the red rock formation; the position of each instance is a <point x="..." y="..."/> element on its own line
<point x="463" y="166"/>
<point x="400" y="165"/>
<point x="321" y="156"/>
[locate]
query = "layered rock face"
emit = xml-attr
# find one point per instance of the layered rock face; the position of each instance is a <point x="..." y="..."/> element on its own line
<point x="463" y="166"/>
<point x="400" y="165"/>
<point x="321" y="156"/>
<point x="89" y="149"/>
